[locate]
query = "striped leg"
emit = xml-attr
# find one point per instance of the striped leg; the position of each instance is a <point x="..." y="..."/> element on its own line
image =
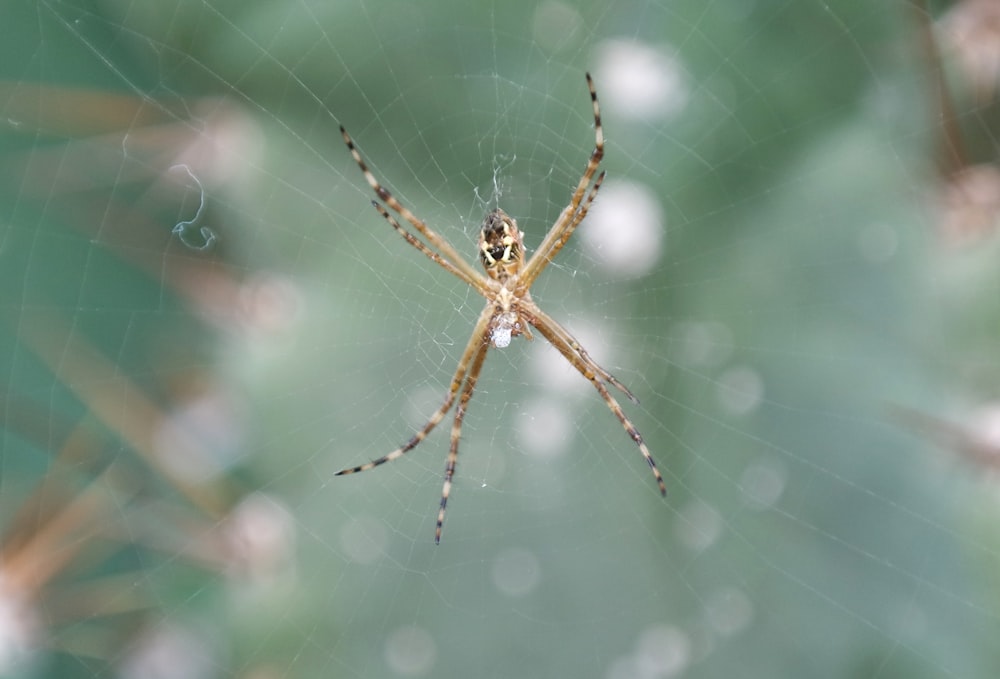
<point x="434" y="257"/>
<point x="567" y="339"/>
<point x="456" y="433"/>
<point x="557" y="335"/>
<point x="432" y="236"/>
<point x="528" y="277"/>
<point x="479" y="337"/>
<point x="544" y="253"/>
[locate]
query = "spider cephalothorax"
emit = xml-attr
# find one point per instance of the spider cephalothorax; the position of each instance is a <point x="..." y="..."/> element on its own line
<point x="509" y="309"/>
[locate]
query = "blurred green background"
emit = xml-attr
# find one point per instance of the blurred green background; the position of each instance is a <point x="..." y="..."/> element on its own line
<point x="203" y="320"/>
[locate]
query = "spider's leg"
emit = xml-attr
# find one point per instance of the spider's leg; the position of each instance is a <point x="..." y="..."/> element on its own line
<point x="475" y="344"/>
<point x="528" y="276"/>
<point x="629" y="427"/>
<point x="456" y="432"/>
<point x="567" y="339"/>
<point x="579" y="359"/>
<point x="383" y="193"/>
<point x="434" y="257"/>
<point x="577" y="218"/>
<point x="542" y="256"/>
<point x="598" y="152"/>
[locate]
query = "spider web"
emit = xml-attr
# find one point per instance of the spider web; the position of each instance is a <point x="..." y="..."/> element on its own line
<point x="198" y="296"/>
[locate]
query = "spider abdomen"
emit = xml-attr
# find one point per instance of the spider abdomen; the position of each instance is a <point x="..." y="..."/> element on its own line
<point x="500" y="245"/>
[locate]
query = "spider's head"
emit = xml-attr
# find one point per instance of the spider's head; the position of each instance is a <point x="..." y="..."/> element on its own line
<point x="500" y="245"/>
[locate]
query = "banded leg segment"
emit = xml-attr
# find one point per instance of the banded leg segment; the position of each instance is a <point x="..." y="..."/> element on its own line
<point x="385" y="195"/>
<point x="594" y="373"/>
<point x="456" y="434"/>
<point x="433" y="256"/>
<point x="474" y="345"/>
<point x="543" y="255"/>
<point x="567" y="339"/>
<point x="527" y="279"/>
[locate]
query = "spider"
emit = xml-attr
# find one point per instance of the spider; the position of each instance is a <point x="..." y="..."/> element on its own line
<point x="510" y="312"/>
